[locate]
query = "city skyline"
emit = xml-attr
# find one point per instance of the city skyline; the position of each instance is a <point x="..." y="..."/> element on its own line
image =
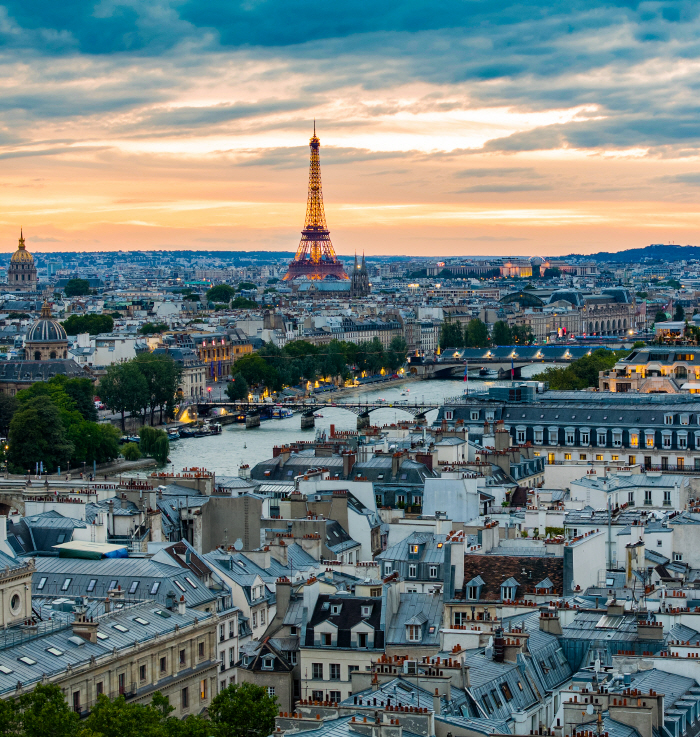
<point x="454" y="130"/>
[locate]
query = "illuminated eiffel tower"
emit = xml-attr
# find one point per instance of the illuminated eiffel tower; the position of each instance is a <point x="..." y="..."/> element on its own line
<point x="315" y="257"/>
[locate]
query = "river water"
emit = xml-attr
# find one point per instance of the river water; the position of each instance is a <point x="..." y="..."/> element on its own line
<point x="236" y="445"/>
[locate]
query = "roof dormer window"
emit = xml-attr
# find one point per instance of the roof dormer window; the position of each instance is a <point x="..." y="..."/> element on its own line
<point x="335" y="609"/>
<point x="268" y="662"/>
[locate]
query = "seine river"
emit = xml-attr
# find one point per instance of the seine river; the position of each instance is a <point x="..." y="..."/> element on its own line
<point x="224" y="453"/>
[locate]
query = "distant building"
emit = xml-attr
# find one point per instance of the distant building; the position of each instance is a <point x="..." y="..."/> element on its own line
<point x="22" y="274"/>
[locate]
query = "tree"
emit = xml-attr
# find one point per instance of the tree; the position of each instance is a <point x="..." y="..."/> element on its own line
<point x="221" y="293"/>
<point x="396" y="355"/>
<point x="241" y="303"/>
<point x="661" y="316"/>
<point x="551" y="273"/>
<point x="10" y="723"/>
<point x="93" y="324"/>
<point x="8" y="407"/>
<point x="522" y="334"/>
<point x="38" y="435"/>
<point x="44" y="712"/>
<point x="124" y="389"/>
<point x="81" y="391"/>
<point x="244" y="710"/>
<point x="451" y="335"/>
<point x="501" y="334"/>
<point x="151" y="328"/>
<point x="77" y="287"/>
<point x="162" y="376"/>
<point x="131" y="452"/>
<point x="583" y="372"/>
<point x="246" y="285"/>
<point x="679" y="313"/>
<point x="477" y="334"/>
<point x="154" y="442"/>
<point x="237" y="389"/>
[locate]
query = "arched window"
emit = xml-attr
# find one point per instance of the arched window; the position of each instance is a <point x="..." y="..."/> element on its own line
<point x="52" y="354"/>
<point x="37" y="355"/>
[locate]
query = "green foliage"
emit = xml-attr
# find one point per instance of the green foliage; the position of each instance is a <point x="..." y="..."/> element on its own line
<point x="237" y="389"/>
<point x="241" y="303"/>
<point x="77" y="287"/>
<point x="151" y="328"/>
<point x="476" y="334"/>
<point x="220" y="293"/>
<point x="154" y="442"/>
<point x="639" y="344"/>
<point x="162" y="376"/>
<point x="451" y="335"/>
<point x="131" y="451"/>
<point x="583" y="372"/>
<point x="679" y="313"/>
<point x="642" y="295"/>
<point x="273" y="280"/>
<point x="550" y="273"/>
<point x="522" y="334"/>
<point x="8" y="407"/>
<point x="93" y="324"/>
<point x="660" y="316"/>
<point x="191" y="298"/>
<point x="673" y="283"/>
<point x="243" y="710"/>
<point x="247" y="285"/>
<point x="45" y="713"/>
<point x="553" y="531"/>
<point x="124" y="389"/>
<point x="501" y="334"/>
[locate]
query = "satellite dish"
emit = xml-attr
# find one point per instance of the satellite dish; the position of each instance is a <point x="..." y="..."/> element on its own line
<point x="589" y="709"/>
<point x="238" y="545"/>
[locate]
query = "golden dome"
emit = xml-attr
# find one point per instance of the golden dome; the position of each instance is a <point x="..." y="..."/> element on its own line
<point x="21" y="255"/>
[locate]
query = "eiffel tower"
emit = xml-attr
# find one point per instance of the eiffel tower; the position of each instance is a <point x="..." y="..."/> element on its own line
<point x="315" y="257"/>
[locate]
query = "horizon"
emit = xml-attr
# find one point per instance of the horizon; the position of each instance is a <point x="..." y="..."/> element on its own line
<point x="554" y="128"/>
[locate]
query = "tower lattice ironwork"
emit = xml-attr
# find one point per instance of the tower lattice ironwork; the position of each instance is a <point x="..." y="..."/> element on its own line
<point x="315" y="257"/>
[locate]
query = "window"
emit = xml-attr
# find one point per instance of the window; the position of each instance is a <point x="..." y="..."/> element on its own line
<point x="507" y="593"/>
<point x="376" y="592"/>
<point x="412" y="571"/>
<point x="183" y="657"/>
<point x="449" y="414"/>
<point x="413" y="633"/>
<point x="184" y="698"/>
<point x="232" y="655"/>
<point x="120" y="628"/>
<point x="460" y="618"/>
<point x="190" y="582"/>
<point x="650" y="439"/>
<point x="41" y="584"/>
<point x="102" y="636"/>
<point x="292" y="657"/>
<point x="433" y="571"/>
<point x="133" y="587"/>
<point x="179" y="585"/>
<point x="682" y="441"/>
<point x="255" y="619"/>
<point x="335" y="609"/>
<point x="677" y="558"/>
<point x="4" y="669"/>
<point x="91" y="585"/>
<point x="585" y="437"/>
<point x="26" y="660"/>
<point x="361" y="639"/>
<point x="496" y="700"/>
<point x="617" y="439"/>
<point x="334" y="696"/>
<point x="200" y="649"/>
<point x="507" y="695"/>
<point x="334" y="671"/>
<point x="54" y="651"/>
<point x="154" y="588"/>
<point x="353" y="668"/>
<point x="487" y="704"/>
<point x="270" y="691"/>
<point x="262" y="616"/>
<point x="668" y="419"/>
<point x="474" y="415"/>
<point x="602" y="438"/>
<point x="632" y="460"/>
<point x="570" y="435"/>
<point x="388" y="567"/>
<point x="473" y="592"/>
<point x="647" y="496"/>
<point x="567" y="456"/>
<point x="634" y="440"/>
<point x="520" y="435"/>
<point x="317" y="671"/>
<point x="142" y="673"/>
<point x="317" y="695"/>
<point x="667" y="502"/>
<point x="582" y="456"/>
<point x="630" y="497"/>
<point x="100" y="688"/>
<point x="326" y="639"/>
<point x="112" y="584"/>
<point x="659" y="543"/>
<point x="76" y="701"/>
<point x="66" y="584"/>
<point x="367" y="610"/>
<point x="615" y="457"/>
<point x="203" y="689"/>
<point x="599" y="457"/>
<point x="163" y="665"/>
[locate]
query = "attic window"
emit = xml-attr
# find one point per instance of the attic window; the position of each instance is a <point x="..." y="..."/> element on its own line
<point x="154" y="588"/>
<point x="414" y="549"/>
<point x="133" y="587"/>
<point x="190" y="582"/>
<point x="413" y="633"/>
<point x="179" y="585"/>
<point x="403" y="476"/>
<point x="268" y="663"/>
<point x="366" y="610"/>
<point x="335" y="608"/>
<point x="41" y="584"/>
<point x="61" y="539"/>
<point x="91" y="585"/>
<point x="162" y="613"/>
<point x="112" y="584"/>
<point x="66" y="584"/>
<point x="380" y="475"/>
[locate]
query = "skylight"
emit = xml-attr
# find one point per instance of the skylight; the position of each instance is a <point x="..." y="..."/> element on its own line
<point x="162" y="613"/>
<point x="26" y="660"/>
<point x="92" y="584"/>
<point x="120" y="628"/>
<point x="190" y="582"/>
<point x="41" y="584"/>
<point x="141" y="620"/>
<point x="179" y="585"/>
<point x="54" y="651"/>
<point x="4" y="669"/>
<point x="102" y="636"/>
<point x="154" y="588"/>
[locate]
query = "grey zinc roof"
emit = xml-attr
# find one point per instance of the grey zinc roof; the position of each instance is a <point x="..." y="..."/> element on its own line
<point x="671" y="685"/>
<point x="429" y="553"/>
<point x="483" y="726"/>
<point x="341" y="727"/>
<point x="77" y="655"/>
<point x="424" y="610"/>
<point x="125" y="572"/>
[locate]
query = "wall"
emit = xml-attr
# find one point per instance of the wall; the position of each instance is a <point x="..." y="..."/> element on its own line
<point x="583" y="561"/>
<point x="459" y="498"/>
<point x="230" y="518"/>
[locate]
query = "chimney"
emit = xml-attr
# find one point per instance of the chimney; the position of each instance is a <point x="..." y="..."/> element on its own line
<point x="84" y="626"/>
<point x="181" y="605"/>
<point x="648" y="630"/>
<point x="348" y="463"/>
<point x="437" y="707"/>
<point x="285" y="452"/>
<point x="396" y="463"/>
<point x="108" y="605"/>
<point x="550" y="621"/>
<point x="499" y="645"/>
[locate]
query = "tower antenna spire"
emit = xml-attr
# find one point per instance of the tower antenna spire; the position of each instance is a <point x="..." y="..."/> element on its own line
<point x="315" y="257"/>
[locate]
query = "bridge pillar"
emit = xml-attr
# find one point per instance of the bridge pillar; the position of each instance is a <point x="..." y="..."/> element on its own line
<point x="252" y="419"/>
<point x="363" y="420"/>
<point x="307" y="420"/>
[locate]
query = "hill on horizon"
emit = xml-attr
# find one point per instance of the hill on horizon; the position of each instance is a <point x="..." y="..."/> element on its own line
<point x="656" y="251"/>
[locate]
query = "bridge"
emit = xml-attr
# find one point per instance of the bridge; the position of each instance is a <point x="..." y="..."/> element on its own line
<point x="308" y="409"/>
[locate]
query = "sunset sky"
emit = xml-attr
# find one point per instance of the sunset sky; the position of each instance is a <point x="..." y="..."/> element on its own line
<point x="455" y="127"/>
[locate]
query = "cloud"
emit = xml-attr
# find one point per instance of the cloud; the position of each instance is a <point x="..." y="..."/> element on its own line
<point x="500" y="188"/>
<point x="502" y="171"/>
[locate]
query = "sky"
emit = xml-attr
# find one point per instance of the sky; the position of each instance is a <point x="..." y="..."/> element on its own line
<point x="448" y="128"/>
